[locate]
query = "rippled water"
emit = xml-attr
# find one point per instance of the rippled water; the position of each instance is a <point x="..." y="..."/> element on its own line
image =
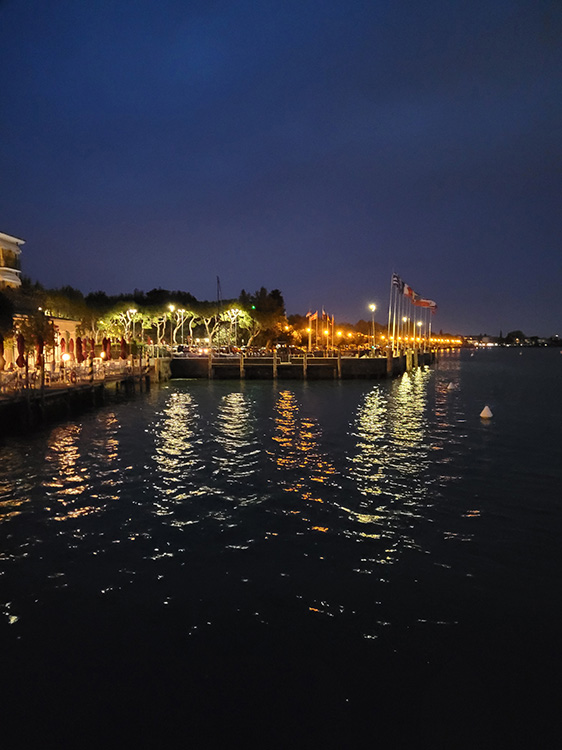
<point x="317" y="564"/>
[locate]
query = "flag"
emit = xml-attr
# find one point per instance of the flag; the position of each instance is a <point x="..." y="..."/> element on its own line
<point x="419" y="302"/>
<point x="408" y="291"/>
<point x="314" y="316"/>
<point x="397" y="282"/>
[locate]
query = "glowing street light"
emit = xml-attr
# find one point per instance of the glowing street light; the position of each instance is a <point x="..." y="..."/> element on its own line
<point x="372" y="308"/>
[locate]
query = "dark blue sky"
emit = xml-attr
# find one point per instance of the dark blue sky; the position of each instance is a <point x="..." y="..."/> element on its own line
<point x="310" y="146"/>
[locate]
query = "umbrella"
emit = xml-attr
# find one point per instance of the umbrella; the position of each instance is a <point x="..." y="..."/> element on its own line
<point x="71" y="346"/>
<point x="2" y="360"/>
<point x="79" y="352"/>
<point x="108" y="348"/>
<point x="20" y="343"/>
<point x="39" y="349"/>
<point x="63" y="345"/>
<point x="123" y="348"/>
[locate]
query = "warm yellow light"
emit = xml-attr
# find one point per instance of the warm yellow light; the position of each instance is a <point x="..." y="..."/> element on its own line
<point x="308" y="330"/>
<point x="419" y="323"/>
<point x="339" y="333"/>
<point x="404" y="320"/>
<point x="372" y="308"/>
<point x="102" y="355"/>
<point x="65" y="357"/>
<point x="171" y="308"/>
<point x="326" y="333"/>
<point x="349" y="335"/>
<point x="286" y="328"/>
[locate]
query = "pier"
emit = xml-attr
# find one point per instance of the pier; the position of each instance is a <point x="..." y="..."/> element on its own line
<point x="298" y="368"/>
<point x="27" y="404"/>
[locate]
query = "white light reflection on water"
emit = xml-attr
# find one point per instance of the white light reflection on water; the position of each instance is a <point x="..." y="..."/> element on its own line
<point x="177" y="453"/>
<point x="237" y="449"/>
<point x="391" y="450"/>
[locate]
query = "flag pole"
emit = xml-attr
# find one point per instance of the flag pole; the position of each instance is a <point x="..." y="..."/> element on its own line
<point x="390" y="308"/>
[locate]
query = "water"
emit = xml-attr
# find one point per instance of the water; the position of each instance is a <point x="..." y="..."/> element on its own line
<point x="313" y="565"/>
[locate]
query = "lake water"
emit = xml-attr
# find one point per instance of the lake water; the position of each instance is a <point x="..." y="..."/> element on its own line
<point x="332" y="564"/>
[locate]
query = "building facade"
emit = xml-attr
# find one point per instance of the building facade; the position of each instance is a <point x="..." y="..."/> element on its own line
<point x="10" y="267"/>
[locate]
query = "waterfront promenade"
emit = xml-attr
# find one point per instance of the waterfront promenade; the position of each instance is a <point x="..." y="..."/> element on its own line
<point x="29" y="399"/>
<point x="302" y="367"/>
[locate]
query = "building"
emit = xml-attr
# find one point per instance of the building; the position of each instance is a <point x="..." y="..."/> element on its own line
<point x="10" y="268"/>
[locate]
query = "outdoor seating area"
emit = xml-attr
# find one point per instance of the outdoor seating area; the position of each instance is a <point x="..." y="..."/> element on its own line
<point x="18" y="379"/>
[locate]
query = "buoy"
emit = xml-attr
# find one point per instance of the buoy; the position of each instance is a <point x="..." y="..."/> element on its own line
<point x="450" y="386"/>
<point x="486" y="413"/>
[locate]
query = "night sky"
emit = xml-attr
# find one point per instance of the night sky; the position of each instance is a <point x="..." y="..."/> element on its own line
<point x="314" y="147"/>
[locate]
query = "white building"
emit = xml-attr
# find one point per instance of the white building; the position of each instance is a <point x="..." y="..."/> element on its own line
<point x="10" y="268"/>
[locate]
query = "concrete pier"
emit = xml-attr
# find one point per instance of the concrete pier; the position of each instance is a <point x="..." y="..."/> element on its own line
<point x="27" y="408"/>
<point x="297" y="368"/>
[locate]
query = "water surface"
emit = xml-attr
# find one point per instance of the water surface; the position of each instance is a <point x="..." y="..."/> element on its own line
<point x="321" y="564"/>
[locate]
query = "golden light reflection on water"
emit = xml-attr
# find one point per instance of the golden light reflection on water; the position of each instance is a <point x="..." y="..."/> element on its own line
<point x="298" y="456"/>
<point x="68" y="484"/>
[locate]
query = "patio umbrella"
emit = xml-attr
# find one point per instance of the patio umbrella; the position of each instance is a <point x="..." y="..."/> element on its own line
<point x="79" y="351"/>
<point x="63" y="345"/>
<point x="2" y="360"/>
<point x="71" y="347"/>
<point x="123" y="348"/>
<point x="20" y="343"/>
<point x="39" y="349"/>
<point x="108" y="348"/>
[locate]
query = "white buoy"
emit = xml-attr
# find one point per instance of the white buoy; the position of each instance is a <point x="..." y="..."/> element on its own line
<point x="486" y="413"/>
<point x="450" y="386"/>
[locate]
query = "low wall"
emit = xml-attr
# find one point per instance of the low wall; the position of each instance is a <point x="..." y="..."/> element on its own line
<point x="298" y="368"/>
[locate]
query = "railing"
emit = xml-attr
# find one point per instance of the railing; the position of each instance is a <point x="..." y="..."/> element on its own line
<point x="18" y="380"/>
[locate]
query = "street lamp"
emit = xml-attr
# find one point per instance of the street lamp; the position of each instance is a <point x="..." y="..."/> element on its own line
<point x="372" y="308"/>
<point x="419" y="325"/>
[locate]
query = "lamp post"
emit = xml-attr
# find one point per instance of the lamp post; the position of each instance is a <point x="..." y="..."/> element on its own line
<point x="372" y="308"/>
<point x="171" y="309"/>
<point x="419" y="324"/>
